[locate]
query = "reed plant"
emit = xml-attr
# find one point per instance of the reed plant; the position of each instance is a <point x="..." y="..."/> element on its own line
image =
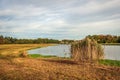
<point x="86" y="50"/>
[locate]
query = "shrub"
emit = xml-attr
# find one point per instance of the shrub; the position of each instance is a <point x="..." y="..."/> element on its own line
<point x="86" y="50"/>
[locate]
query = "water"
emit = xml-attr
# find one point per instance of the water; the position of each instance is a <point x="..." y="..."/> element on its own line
<point x="58" y="50"/>
<point x="111" y="51"/>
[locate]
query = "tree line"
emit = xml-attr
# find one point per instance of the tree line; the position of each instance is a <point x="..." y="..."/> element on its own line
<point x="98" y="38"/>
<point x="105" y="38"/>
<point x="11" y="40"/>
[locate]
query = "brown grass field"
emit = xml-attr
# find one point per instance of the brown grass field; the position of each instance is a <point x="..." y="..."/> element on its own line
<point x="18" y="68"/>
<point x="12" y="49"/>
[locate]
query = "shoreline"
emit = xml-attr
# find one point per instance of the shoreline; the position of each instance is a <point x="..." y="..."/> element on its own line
<point x="110" y="44"/>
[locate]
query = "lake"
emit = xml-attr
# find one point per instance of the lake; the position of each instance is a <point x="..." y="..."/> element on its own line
<point x="111" y="51"/>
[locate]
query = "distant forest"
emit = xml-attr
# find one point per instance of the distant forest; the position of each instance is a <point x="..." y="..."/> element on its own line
<point x="98" y="38"/>
<point x="11" y="40"/>
<point x="105" y="38"/>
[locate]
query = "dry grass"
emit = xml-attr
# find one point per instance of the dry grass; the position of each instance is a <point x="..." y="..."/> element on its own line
<point x="86" y="50"/>
<point x="50" y="69"/>
<point x="54" y="69"/>
<point x="15" y="49"/>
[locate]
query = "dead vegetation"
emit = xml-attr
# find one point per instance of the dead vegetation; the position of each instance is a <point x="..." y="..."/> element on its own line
<point x="17" y="68"/>
<point x="54" y="69"/>
<point x="86" y="50"/>
<point x="18" y="50"/>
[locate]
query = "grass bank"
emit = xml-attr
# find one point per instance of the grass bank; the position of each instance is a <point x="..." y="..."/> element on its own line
<point x="110" y="62"/>
<point x="16" y="49"/>
<point x="40" y="56"/>
<point x="104" y="62"/>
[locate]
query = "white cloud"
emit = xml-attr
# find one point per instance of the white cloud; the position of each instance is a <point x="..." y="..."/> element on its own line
<point x="97" y="27"/>
<point x="66" y="18"/>
<point x="94" y="6"/>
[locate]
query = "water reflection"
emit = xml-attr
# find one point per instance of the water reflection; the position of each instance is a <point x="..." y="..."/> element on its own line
<point x="111" y="51"/>
<point x="58" y="50"/>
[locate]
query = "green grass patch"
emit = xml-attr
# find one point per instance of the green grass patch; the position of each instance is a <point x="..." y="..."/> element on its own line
<point x="110" y="62"/>
<point x="40" y="56"/>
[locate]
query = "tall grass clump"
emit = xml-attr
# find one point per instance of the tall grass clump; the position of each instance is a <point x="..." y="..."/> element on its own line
<point x="86" y="50"/>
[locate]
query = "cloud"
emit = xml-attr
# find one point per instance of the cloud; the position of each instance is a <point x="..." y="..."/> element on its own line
<point x="60" y="18"/>
<point x="93" y="7"/>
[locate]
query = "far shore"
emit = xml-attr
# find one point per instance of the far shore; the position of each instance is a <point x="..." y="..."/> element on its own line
<point x="110" y="43"/>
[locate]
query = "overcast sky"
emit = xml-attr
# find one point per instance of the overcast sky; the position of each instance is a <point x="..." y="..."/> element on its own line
<point x="59" y="19"/>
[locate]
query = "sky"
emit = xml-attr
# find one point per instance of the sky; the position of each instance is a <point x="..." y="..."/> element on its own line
<point x="59" y="19"/>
